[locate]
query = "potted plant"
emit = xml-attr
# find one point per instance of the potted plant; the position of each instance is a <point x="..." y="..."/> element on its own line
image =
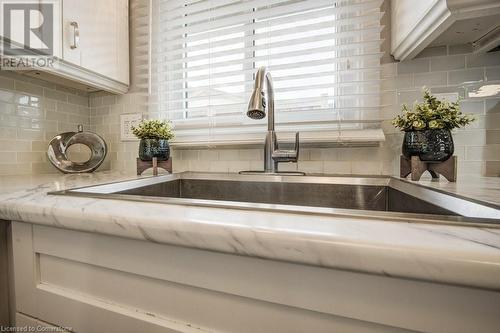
<point x="154" y="136"/>
<point x="428" y="126"/>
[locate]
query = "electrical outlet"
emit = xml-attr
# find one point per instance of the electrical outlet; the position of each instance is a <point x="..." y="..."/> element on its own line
<point x="127" y="121"/>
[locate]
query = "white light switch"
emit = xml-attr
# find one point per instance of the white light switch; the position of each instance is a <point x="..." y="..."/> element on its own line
<point x="127" y="121"/>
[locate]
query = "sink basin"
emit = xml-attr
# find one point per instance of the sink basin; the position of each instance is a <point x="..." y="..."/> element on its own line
<point x="376" y="197"/>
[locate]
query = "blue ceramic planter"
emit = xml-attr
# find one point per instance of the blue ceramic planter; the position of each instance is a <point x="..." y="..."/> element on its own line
<point x="149" y="148"/>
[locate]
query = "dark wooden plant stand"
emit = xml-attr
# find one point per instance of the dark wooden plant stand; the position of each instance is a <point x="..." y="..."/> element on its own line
<point x="417" y="167"/>
<point x="155" y="164"/>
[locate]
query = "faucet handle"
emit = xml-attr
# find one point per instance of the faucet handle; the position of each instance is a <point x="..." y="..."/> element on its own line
<point x="281" y="155"/>
<point x="297" y="146"/>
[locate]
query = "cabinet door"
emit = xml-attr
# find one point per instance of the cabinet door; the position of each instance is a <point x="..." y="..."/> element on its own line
<point x="103" y="36"/>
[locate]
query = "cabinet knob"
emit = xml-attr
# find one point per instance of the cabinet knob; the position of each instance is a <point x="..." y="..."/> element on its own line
<point x="76" y="35"/>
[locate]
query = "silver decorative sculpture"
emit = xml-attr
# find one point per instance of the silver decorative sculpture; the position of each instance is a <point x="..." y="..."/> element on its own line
<point x="58" y="147"/>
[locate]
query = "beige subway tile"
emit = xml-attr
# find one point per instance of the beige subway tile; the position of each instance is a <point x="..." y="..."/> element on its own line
<point x="492" y="121"/>
<point x="77" y="119"/>
<point x="8" y="120"/>
<point x="31" y="112"/>
<point x="466" y="76"/>
<point x="67" y="90"/>
<point x="7" y="108"/>
<point x="472" y="106"/>
<point x="492" y="105"/>
<point x="54" y="94"/>
<point x="31" y="157"/>
<point x="430" y="79"/>
<point x="8" y="157"/>
<point x="7" y="96"/>
<point x="237" y="166"/>
<point x="487" y="153"/>
<point x="114" y="128"/>
<point x="58" y="116"/>
<point x="102" y="129"/>
<point x="469" y="137"/>
<point x="310" y="166"/>
<point x="420" y="65"/>
<point x="447" y="63"/>
<point x="492" y="73"/>
<point x="283" y="166"/>
<point x="124" y="99"/>
<point x="470" y="168"/>
<point x="409" y="97"/>
<point x="7" y="132"/>
<point x="324" y="154"/>
<point x="389" y="70"/>
<point x="208" y="155"/>
<point x="388" y="85"/>
<point x="28" y="88"/>
<point x="228" y="155"/>
<point x="80" y="100"/>
<point x="108" y="100"/>
<point x="28" y="100"/>
<point x="492" y="169"/>
<point x="257" y="165"/>
<point x="337" y="167"/>
<point x="44" y="168"/>
<point x="483" y="59"/>
<point x="6" y="83"/>
<point x="196" y="166"/>
<point x="131" y="146"/>
<point x="15" y="169"/>
<point x="404" y="81"/>
<point x="101" y="111"/>
<point x="95" y="101"/>
<point x="39" y="146"/>
<point x="460" y="90"/>
<point x="219" y="166"/>
<point x="50" y="135"/>
<point x="188" y="154"/>
<point x="433" y="51"/>
<point x="30" y="134"/>
<point x="493" y="136"/>
<point x="118" y="109"/>
<point x="46" y="125"/>
<point x="304" y="153"/>
<point x="366" y="168"/>
<point x="251" y="154"/>
<point x="390" y="168"/>
<point x="459" y="49"/>
<point x="49" y="104"/>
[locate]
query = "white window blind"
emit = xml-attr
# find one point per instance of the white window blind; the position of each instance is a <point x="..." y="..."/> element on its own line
<point x="324" y="57"/>
<point x="140" y="44"/>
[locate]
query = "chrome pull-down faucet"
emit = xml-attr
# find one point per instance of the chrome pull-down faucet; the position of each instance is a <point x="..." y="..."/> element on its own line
<point x="257" y="110"/>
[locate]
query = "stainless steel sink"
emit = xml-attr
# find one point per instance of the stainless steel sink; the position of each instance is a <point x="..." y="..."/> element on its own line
<point x="378" y="197"/>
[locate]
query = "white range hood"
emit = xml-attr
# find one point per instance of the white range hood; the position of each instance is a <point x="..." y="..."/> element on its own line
<point x="419" y="24"/>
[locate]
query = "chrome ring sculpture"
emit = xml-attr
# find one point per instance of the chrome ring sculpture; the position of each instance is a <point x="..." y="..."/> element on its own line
<point x="59" y="145"/>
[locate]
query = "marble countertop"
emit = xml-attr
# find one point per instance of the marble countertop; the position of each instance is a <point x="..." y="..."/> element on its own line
<point x="462" y="255"/>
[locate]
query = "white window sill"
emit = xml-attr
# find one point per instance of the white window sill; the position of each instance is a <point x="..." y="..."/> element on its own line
<point x="354" y="138"/>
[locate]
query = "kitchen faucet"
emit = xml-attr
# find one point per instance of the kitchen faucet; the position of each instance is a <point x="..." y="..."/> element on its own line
<point x="257" y="110"/>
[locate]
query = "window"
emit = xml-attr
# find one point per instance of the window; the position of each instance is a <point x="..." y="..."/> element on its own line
<point x="324" y="57"/>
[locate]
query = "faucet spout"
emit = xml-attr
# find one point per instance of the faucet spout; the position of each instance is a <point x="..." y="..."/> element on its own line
<point x="257" y="108"/>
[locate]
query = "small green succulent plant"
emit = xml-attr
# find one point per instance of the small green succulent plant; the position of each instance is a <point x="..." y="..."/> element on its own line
<point x="432" y="113"/>
<point x="154" y="129"/>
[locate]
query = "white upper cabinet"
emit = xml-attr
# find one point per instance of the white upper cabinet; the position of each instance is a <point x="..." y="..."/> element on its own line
<point x="90" y="43"/>
<point x="422" y="23"/>
<point x="95" y="36"/>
